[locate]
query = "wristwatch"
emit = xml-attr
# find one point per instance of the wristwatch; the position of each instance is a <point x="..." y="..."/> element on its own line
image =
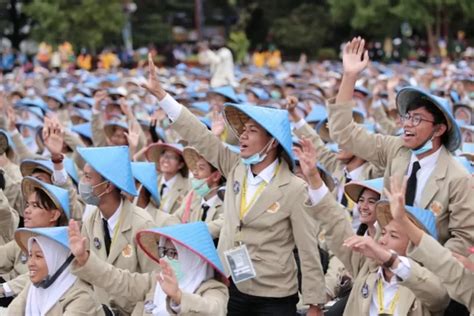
<point x="393" y="256"/>
<point x="57" y="158"/>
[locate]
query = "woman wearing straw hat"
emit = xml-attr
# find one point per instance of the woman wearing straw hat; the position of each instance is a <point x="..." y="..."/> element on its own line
<point x="424" y="151"/>
<point x="188" y="283"/>
<point x="173" y="180"/>
<point x="148" y="198"/>
<point x="457" y="279"/>
<point x="46" y="206"/>
<point x="202" y="203"/>
<point x="52" y="289"/>
<point x="264" y="209"/>
<point x="111" y="226"/>
<point x="386" y="281"/>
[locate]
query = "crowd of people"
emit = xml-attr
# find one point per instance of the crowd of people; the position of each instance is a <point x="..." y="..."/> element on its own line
<point x="298" y="189"/>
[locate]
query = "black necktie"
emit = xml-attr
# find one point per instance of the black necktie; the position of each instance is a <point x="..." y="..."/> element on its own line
<point x="411" y="184"/>
<point x="344" y="197"/>
<point x="107" y="239"/>
<point x="205" y="208"/>
<point x="163" y="186"/>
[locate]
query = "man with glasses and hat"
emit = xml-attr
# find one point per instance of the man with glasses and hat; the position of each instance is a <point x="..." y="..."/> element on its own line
<point x="436" y="181"/>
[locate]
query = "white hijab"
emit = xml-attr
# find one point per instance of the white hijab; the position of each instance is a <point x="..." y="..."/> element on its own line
<point x="195" y="271"/>
<point x="40" y="300"/>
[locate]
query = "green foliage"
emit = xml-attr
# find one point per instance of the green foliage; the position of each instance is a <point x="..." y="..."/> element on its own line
<point x="327" y="54"/>
<point x="84" y="23"/>
<point x="150" y="28"/>
<point x="305" y="28"/>
<point x="239" y="44"/>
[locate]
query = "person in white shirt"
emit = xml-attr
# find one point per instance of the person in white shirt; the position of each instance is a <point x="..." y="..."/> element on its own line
<point x="221" y="65"/>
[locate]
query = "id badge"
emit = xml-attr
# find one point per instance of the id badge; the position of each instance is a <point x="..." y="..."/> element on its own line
<point x="239" y="263"/>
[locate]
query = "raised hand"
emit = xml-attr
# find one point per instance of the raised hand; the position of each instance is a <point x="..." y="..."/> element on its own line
<point x="290" y="106"/>
<point x="53" y="135"/>
<point x="77" y="243"/>
<point x="153" y="85"/>
<point x="168" y="282"/>
<point x="354" y="57"/>
<point x="125" y="108"/>
<point x="217" y="124"/>
<point x="396" y="197"/>
<point x="99" y="96"/>
<point x="368" y="247"/>
<point x="11" y="119"/>
<point x="133" y="135"/>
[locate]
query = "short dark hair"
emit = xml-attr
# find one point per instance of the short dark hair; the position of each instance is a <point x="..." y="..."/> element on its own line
<point x="48" y="204"/>
<point x="438" y="116"/>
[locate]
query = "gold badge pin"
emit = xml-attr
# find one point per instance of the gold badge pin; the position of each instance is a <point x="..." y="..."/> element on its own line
<point x="274" y="208"/>
<point x="127" y="251"/>
<point x="436" y="208"/>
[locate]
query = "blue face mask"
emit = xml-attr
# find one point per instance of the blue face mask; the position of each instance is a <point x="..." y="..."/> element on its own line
<point x="176" y="266"/>
<point x="423" y="149"/>
<point x="200" y="187"/>
<point x="257" y="157"/>
<point x="276" y="95"/>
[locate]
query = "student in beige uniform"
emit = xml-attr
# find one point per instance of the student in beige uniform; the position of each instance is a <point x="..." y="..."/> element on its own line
<point x="148" y="198"/>
<point x="343" y="165"/>
<point x="386" y="281"/>
<point x="11" y="171"/>
<point x="457" y="279"/>
<point x="263" y="208"/>
<point x="437" y="181"/>
<point x="46" y="206"/>
<point x="202" y="203"/>
<point x="187" y="281"/>
<point x="52" y="290"/>
<point x="111" y="227"/>
<point x="173" y="180"/>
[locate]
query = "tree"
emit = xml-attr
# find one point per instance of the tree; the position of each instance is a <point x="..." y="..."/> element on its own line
<point x="306" y="28"/>
<point x="85" y="23"/>
<point x="13" y="22"/>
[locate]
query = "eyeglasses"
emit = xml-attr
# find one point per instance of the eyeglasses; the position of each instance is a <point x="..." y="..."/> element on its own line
<point x="414" y="119"/>
<point x="169" y="157"/>
<point x="171" y="253"/>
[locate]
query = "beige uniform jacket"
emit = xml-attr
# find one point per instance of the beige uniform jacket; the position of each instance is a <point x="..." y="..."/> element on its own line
<point x="12" y="190"/>
<point x="173" y="199"/>
<point x="124" y="252"/>
<point x="161" y="219"/>
<point x="78" y="300"/>
<point x="9" y="220"/>
<point x="421" y="294"/>
<point x="447" y="192"/>
<point x="273" y="226"/>
<point x="458" y="281"/>
<point x="209" y="299"/>
<point x="214" y="217"/>
<point x="12" y="263"/>
<point x="388" y="126"/>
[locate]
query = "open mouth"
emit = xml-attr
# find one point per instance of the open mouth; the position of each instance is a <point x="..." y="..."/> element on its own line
<point x="408" y="134"/>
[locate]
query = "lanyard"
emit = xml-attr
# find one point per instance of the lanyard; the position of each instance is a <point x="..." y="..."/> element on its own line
<point x="391" y="308"/>
<point x="244" y="207"/>
<point x="117" y="228"/>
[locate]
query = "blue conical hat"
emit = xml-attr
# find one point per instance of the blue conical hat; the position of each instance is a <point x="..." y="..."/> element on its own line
<point x="155" y="150"/>
<point x="226" y="91"/>
<point x="58" y="234"/>
<point x="409" y="95"/>
<point x="58" y="195"/>
<point x="274" y="121"/>
<point x="113" y="163"/>
<point x="145" y="173"/>
<point x="323" y="129"/>
<point x="354" y="188"/>
<point x="71" y="169"/>
<point x="317" y="114"/>
<point x="194" y="236"/>
<point x="110" y="126"/>
<point x="28" y="165"/>
<point x="84" y="130"/>
<point x="56" y="95"/>
<point x="424" y="219"/>
<point x="466" y="164"/>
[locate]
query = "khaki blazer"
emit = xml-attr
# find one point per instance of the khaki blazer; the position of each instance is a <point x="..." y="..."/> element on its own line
<point x="161" y="219"/>
<point x="214" y="218"/>
<point x="276" y="223"/>
<point x="124" y="252"/>
<point x="78" y="300"/>
<point x="447" y="192"/>
<point x="12" y="190"/>
<point x="9" y="220"/>
<point x="12" y="261"/>
<point x="209" y="299"/>
<point x="458" y="281"/>
<point x="421" y="294"/>
<point x="388" y="126"/>
<point x="175" y="196"/>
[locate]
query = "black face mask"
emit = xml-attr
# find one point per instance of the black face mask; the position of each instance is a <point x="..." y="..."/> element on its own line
<point x="44" y="284"/>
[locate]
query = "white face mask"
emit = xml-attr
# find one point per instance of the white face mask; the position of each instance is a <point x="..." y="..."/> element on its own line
<point x="258" y="157"/>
